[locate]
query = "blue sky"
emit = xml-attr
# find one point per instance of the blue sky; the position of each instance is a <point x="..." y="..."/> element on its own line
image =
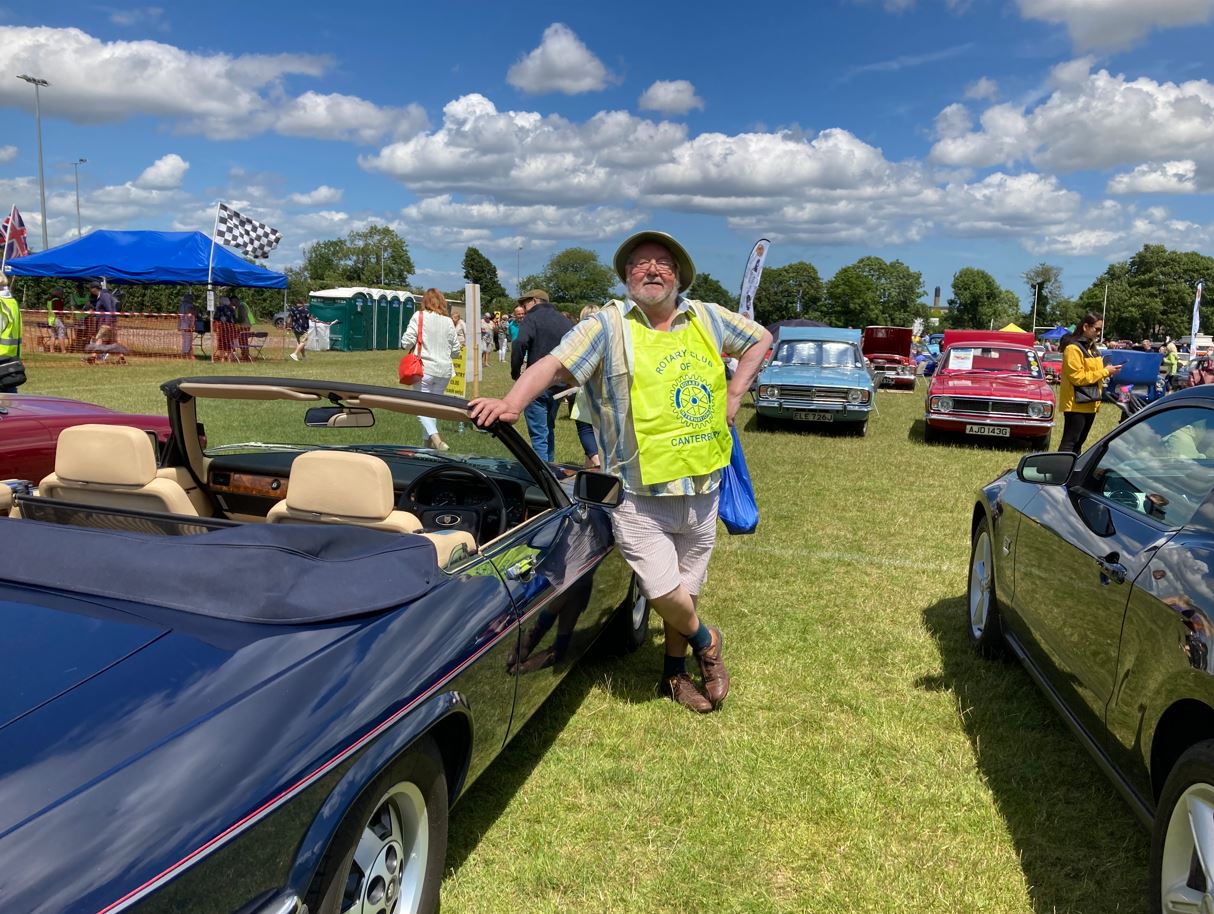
<point x="945" y="133"/>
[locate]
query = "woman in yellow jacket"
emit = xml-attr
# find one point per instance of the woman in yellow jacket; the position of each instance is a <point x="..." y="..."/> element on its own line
<point x="1083" y="376"/>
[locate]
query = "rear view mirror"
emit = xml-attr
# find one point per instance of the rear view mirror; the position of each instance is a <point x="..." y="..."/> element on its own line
<point x="339" y="417"/>
<point x="598" y="489"/>
<point x="1046" y="469"/>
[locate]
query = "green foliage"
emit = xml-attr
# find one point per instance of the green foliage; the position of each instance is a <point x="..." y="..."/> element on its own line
<point x="575" y="275"/>
<point x="358" y="260"/>
<point x="480" y="269"/>
<point x="781" y="287"/>
<point x="707" y="288"/>
<point x="979" y="302"/>
<point x="1150" y="295"/>
<point x="873" y="291"/>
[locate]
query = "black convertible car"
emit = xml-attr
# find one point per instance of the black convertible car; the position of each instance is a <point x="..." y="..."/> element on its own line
<point x="254" y="675"/>
<point x="1096" y="572"/>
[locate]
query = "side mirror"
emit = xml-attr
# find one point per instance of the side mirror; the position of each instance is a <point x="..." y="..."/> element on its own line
<point x="339" y="417"/>
<point x="598" y="489"/>
<point x="1052" y="469"/>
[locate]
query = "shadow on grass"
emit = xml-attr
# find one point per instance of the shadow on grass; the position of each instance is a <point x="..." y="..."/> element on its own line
<point x="1080" y="847"/>
<point x="633" y="678"/>
<point x="918" y="433"/>
<point x="807" y="428"/>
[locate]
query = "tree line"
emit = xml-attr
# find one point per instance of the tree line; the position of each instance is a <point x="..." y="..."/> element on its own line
<point x="1149" y="296"/>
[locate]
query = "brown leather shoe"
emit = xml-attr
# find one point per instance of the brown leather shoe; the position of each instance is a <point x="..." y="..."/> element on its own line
<point x="680" y="688"/>
<point x="712" y="668"/>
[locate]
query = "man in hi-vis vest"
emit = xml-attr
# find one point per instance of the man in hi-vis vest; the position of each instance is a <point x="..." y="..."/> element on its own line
<point x="661" y="408"/>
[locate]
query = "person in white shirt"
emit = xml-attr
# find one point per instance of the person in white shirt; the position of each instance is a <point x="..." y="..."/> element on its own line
<point x="439" y="344"/>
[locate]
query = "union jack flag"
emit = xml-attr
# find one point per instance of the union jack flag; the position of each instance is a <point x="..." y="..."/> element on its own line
<point x="13" y="233"/>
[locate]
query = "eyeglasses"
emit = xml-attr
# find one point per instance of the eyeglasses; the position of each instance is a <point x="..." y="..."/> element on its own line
<point x="660" y="264"/>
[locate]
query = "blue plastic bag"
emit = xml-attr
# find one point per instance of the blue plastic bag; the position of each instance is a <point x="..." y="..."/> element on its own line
<point x="738" y="508"/>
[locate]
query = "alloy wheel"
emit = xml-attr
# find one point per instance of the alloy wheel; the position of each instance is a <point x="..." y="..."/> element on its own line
<point x="980" y="585"/>
<point x="388" y="871"/>
<point x="1187" y="873"/>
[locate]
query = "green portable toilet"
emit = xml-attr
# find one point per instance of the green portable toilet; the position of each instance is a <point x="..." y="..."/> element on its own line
<point x="392" y="326"/>
<point x="352" y="310"/>
<point x="408" y="305"/>
<point x="379" y="327"/>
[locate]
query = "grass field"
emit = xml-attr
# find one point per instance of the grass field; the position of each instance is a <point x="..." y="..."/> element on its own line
<point x="865" y="760"/>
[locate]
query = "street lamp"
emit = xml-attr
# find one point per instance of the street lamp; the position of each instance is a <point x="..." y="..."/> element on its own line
<point x="36" y="83"/>
<point x="518" y="270"/>
<point x="381" y="265"/>
<point x="76" y="166"/>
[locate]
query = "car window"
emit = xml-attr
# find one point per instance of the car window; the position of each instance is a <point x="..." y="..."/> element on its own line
<point x="982" y="358"/>
<point x="1161" y="467"/>
<point x="817" y="353"/>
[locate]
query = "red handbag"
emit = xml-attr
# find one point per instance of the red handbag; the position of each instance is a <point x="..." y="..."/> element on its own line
<point x="411" y="370"/>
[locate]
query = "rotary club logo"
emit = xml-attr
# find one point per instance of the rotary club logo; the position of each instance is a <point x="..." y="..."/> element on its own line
<point x="692" y="400"/>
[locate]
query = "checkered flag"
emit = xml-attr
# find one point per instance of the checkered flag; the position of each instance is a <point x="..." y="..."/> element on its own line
<point x="255" y="238"/>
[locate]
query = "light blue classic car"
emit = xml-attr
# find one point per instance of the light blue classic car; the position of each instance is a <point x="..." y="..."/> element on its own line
<point x="816" y="374"/>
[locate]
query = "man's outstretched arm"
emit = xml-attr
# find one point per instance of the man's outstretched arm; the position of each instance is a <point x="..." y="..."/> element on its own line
<point x="533" y="382"/>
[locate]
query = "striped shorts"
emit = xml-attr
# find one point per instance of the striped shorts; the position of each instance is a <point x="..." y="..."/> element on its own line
<point x="667" y="539"/>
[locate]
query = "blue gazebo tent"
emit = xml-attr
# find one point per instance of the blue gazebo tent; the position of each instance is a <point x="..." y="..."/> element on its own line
<point x="173" y="258"/>
<point x="1056" y="334"/>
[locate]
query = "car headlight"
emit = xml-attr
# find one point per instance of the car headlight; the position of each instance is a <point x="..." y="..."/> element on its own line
<point x="769" y="391"/>
<point x="1036" y="410"/>
<point x="942" y="404"/>
<point x="855" y="395"/>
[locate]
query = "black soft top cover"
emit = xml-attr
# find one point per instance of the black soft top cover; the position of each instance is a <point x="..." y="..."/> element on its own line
<point x="288" y="574"/>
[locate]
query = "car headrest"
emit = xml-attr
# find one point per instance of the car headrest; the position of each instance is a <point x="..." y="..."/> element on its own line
<point x="342" y="484"/>
<point x="111" y="455"/>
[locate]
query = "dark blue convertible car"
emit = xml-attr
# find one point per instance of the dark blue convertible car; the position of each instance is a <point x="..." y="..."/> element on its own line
<point x="256" y="675"/>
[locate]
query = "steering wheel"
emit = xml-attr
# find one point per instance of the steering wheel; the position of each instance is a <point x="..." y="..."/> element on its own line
<point x="456" y="517"/>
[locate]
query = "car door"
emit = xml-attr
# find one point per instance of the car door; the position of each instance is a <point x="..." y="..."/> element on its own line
<point x="551" y="566"/>
<point x="1080" y="548"/>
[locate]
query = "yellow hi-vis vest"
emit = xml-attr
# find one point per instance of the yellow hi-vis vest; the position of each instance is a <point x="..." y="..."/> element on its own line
<point x="10" y="326"/>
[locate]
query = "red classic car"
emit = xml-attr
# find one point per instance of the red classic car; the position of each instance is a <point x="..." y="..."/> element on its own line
<point x="30" y="427"/>
<point x="888" y="350"/>
<point x="990" y="383"/>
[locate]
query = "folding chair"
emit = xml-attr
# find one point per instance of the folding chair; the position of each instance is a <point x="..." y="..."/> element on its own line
<point x="257" y="343"/>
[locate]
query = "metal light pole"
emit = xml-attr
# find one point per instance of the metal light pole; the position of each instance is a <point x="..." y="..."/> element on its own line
<point x="381" y="266"/>
<point x="36" y="83"/>
<point x="1036" y="286"/>
<point x="518" y="271"/>
<point x="76" y="166"/>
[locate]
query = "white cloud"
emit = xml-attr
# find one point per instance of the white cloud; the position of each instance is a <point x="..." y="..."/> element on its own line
<point x="1113" y="24"/>
<point x="7" y="154"/>
<point x="347" y="117"/>
<point x="318" y="197"/>
<point x="1091" y="121"/>
<point x="1177" y="177"/>
<point x="561" y="63"/>
<point x="540" y="223"/>
<point x="984" y="88"/>
<point x="673" y="96"/>
<point x="150" y="17"/>
<point x="165" y="173"/>
<point x="221" y="96"/>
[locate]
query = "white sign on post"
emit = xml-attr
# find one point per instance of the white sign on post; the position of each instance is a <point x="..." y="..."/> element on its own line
<point x="472" y="353"/>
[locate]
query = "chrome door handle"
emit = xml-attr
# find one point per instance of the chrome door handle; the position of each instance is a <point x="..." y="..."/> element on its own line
<point x="1112" y="569"/>
<point x="522" y="570"/>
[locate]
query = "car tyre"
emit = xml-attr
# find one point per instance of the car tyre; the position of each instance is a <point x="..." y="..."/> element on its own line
<point x="861" y="430"/>
<point x="983" y="620"/>
<point x="629" y="627"/>
<point x="1040" y="443"/>
<point x="389" y="851"/>
<point x="279" y="323"/>
<point x="930" y="435"/>
<point x="1179" y="860"/>
<point x="764" y="422"/>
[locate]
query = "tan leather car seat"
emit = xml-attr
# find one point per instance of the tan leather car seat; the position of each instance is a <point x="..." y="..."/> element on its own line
<point x="112" y="466"/>
<point x="335" y="487"/>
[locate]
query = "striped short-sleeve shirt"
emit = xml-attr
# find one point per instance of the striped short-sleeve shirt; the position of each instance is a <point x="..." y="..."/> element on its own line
<point x="594" y="353"/>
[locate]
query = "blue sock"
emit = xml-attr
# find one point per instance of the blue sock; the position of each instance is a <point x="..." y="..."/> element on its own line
<point x="701" y="639"/>
<point x="674" y="666"/>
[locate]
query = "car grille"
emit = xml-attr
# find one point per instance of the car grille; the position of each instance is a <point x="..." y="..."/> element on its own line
<point x="990" y="407"/>
<point x="808" y="396"/>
